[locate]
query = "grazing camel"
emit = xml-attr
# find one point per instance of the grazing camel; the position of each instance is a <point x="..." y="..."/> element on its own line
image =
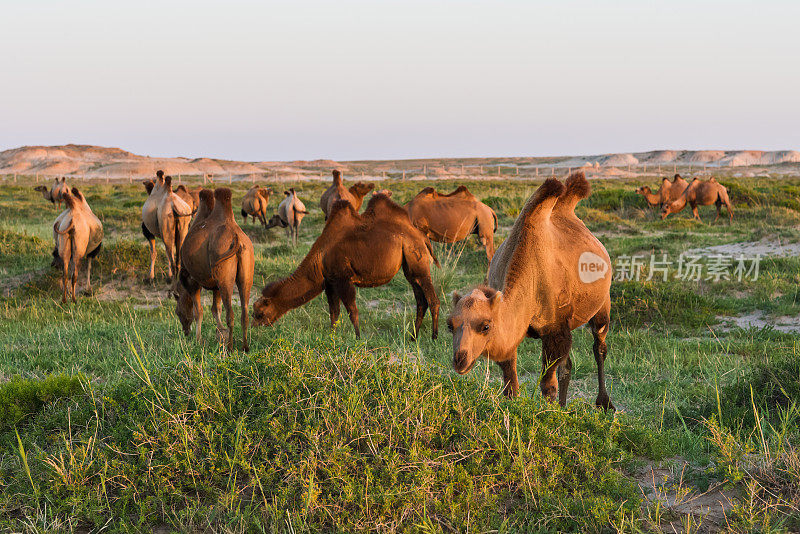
<point x="668" y="191"/>
<point x="78" y="234"/>
<point x="453" y="217"/>
<point x="337" y="191"/>
<point x="56" y="192"/>
<point x="255" y="203"/>
<point x="549" y="277"/>
<point x="216" y="255"/>
<point x="165" y="215"/>
<point x="702" y="194"/>
<point x="291" y="211"/>
<point x="357" y="251"/>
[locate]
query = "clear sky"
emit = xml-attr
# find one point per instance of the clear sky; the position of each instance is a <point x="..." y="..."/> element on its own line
<point x="382" y="79"/>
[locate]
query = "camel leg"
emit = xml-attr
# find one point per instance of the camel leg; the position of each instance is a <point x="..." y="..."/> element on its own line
<point x="244" y="297"/>
<point x="599" y="324"/>
<point x="433" y="302"/>
<point x="216" y="299"/>
<point x="730" y="213"/>
<point x="227" y="300"/>
<point x="66" y="255"/>
<point x="510" y="380"/>
<point x="696" y="213"/>
<point x="718" y="204"/>
<point x="564" y="376"/>
<point x="347" y="292"/>
<point x="89" y="275"/>
<point x="333" y="303"/>
<point x="76" y="265"/>
<point x="555" y="350"/>
<point x="422" y="306"/>
<point x="197" y="305"/>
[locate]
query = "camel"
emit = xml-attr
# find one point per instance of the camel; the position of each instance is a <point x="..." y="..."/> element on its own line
<point x="668" y="191"/>
<point x="453" y="217"/>
<point x="190" y="196"/>
<point x="549" y="277"/>
<point x="702" y="194"/>
<point x="255" y="203"/>
<point x="291" y="211"/>
<point x="357" y="251"/>
<point x="337" y="191"/>
<point x="216" y="255"/>
<point x="56" y="192"/>
<point x="165" y="215"/>
<point x="78" y="234"/>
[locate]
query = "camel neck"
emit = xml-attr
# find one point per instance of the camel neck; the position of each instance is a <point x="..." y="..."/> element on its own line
<point x="301" y="286"/>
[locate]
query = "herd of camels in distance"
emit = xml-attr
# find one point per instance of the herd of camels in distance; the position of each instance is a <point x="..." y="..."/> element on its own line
<point x="532" y="287"/>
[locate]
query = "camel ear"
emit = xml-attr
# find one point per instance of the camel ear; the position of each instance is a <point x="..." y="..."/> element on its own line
<point x="496" y="299"/>
<point x="456" y="297"/>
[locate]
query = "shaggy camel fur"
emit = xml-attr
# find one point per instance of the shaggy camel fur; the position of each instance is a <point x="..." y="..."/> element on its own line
<point x="549" y="277"/>
<point x="337" y="191"/>
<point x="56" y="192"/>
<point x="165" y="215"/>
<point x="291" y="211"/>
<point x="216" y="255"/>
<point x="357" y="251"/>
<point x="255" y="203"/>
<point x="78" y="234"/>
<point x="668" y="191"/>
<point x="453" y="217"/>
<point x="701" y="194"/>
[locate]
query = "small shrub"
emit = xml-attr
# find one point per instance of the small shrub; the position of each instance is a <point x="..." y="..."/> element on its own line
<point x="20" y="397"/>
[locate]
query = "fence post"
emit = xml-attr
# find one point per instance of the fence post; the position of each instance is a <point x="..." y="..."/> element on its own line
<point x="230" y="178"/>
<point x="404" y="175"/>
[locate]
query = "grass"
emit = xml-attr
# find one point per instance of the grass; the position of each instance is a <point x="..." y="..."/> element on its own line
<point x="110" y="419"/>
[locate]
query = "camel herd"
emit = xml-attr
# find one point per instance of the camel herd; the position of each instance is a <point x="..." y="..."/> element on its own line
<point x="550" y="276"/>
<point x="673" y="196"/>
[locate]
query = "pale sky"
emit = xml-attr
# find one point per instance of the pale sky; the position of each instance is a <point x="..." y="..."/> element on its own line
<point x="382" y="79"/>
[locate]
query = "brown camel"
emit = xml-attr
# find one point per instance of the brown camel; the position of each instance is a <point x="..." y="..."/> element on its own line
<point x="216" y="255"/>
<point x="255" y="203"/>
<point x="56" y="192"/>
<point x="701" y="193"/>
<point x="190" y="196"/>
<point x="291" y="211"/>
<point x="357" y="251"/>
<point x="165" y="215"/>
<point x="337" y="191"/>
<point x="78" y="234"/>
<point x="668" y="191"/>
<point x="549" y="277"/>
<point x="453" y="217"/>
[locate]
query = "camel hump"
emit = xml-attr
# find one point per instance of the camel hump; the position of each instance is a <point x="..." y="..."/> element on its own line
<point x="182" y="188"/>
<point x="665" y="180"/>
<point x="427" y="191"/>
<point x="77" y="194"/>
<point x="160" y="173"/>
<point x="576" y="188"/>
<point x="676" y="177"/>
<point x="541" y="203"/>
<point x="168" y="182"/>
<point x="337" y="176"/>
<point x="207" y="198"/>
<point x="380" y="203"/>
<point x="713" y="180"/>
<point x="69" y="199"/>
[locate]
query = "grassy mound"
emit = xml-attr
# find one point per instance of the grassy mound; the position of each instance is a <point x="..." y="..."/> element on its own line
<point x="322" y="439"/>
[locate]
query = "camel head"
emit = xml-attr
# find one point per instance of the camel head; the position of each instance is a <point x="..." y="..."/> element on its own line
<point x="644" y="190"/>
<point x="360" y="189"/>
<point x="40" y="188"/>
<point x="184" y="308"/>
<point x="266" y="310"/>
<point x="274" y="221"/>
<point x="148" y="185"/>
<point x="669" y="207"/>
<point x="472" y="324"/>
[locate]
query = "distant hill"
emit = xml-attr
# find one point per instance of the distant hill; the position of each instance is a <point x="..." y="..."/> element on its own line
<point x="99" y="162"/>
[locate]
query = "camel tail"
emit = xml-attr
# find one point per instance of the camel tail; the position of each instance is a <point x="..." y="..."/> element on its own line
<point x="69" y="229"/>
<point x="576" y="188"/>
<point x="430" y="251"/>
<point x="494" y="216"/>
<point x="231" y="252"/>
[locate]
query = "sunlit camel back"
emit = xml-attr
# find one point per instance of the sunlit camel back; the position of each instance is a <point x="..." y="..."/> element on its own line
<point x="56" y="192"/>
<point x="190" y="196"/>
<point x="668" y="191"/>
<point x="291" y="211"/>
<point x="166" y="216"/>
<point x="356" y="251"/>
<point x="337" y="191"/>
<point x="78" y="234"/>
<point x="453" y="217"/>
<point x="255" y="203"/>
<point x="550" y="276"/>
<point x="218" y="256"/>
<point x="700" y="193"/>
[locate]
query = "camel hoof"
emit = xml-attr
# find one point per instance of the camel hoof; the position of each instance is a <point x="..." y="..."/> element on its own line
<point x="605" y="403"/>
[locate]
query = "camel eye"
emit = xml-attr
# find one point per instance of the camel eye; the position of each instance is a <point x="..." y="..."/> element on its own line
<point x="485" y="327"/>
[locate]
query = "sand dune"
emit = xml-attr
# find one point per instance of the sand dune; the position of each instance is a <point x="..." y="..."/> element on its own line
<point x="98" y="162"/>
